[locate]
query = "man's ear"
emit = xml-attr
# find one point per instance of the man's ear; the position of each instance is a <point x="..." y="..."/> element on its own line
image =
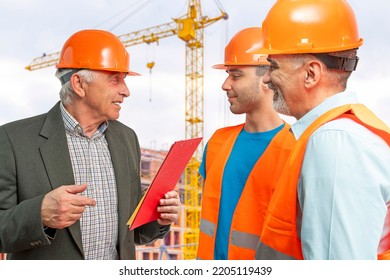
<point x="313" y="73"/>
<point x="77" y="84"/>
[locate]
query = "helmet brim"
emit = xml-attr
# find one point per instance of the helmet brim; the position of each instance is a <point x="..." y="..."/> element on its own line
<point x="131" y="73"/>
<point x="309" y="49"/>
<point x="219" y="66"/>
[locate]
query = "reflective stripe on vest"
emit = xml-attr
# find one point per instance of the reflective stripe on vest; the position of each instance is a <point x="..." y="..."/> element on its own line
<point x="245" y="240"/>
<point x="207" y="227"/>
<point x="280" y="227"/>
<point x="239" y="239"/>
<point x="253" y="203"/>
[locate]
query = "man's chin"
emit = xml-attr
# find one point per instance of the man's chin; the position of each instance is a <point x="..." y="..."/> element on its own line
<point x="235" y="111"/>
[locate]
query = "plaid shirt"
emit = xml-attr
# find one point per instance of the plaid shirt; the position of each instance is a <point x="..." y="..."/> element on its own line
<point x="91" y="162"/>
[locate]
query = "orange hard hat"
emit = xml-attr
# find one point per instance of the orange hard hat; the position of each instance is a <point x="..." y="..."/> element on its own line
<point x="238" y="51"/>
<point x="309" y="26"/>
<point x="95" y="50"/>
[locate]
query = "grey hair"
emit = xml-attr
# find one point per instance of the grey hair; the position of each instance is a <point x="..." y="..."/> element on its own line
<point x="338" y="78"/>
<point x="67" y="92"/>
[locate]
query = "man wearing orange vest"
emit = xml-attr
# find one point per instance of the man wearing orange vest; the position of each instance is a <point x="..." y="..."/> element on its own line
<point x="333" y="198"/>
<point x="241" y="163"/>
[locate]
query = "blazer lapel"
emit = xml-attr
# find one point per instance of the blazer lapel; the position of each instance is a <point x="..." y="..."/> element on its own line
<point x="120" y="163"/>
<point x="55" y="155"/>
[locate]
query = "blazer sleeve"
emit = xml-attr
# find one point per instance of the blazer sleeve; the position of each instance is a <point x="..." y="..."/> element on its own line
<point x="20" y="223"/>
<point x="150" y="232"/>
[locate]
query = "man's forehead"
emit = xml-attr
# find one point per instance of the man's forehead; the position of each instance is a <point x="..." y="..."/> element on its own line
<point x="238" y="68"/>
<point x="113" y="74"/>
<point x="276" y="59"/>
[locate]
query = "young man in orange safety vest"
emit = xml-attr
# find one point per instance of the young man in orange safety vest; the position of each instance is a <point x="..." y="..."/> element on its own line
<point x="241" y="163"/>
<point x="333" y="199"/>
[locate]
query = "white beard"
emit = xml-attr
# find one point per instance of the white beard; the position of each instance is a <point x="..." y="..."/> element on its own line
<point x="280" y="104"/>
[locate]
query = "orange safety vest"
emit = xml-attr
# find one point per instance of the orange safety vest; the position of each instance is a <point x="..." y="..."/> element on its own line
<point x="280" y="226"/>
<point x="252" y="206"/>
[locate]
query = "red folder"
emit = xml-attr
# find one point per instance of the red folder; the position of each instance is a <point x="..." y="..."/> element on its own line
<point x="165" y="180"/>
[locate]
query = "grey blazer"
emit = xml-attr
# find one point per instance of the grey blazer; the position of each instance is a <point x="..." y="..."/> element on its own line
<point x="34" y="159"/>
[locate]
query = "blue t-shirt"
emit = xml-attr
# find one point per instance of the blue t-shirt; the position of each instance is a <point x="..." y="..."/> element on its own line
<point x="247" y="149"/>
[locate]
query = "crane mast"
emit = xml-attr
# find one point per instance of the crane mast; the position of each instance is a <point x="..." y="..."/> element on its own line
<point x="194" y="125"/>
<point x="189" y="28"/>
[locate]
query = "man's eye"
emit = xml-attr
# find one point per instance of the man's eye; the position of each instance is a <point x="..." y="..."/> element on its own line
<point x="115" y="80"/>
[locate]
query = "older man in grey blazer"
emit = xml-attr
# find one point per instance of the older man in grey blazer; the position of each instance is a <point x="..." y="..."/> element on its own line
<point x="70" y="178"/>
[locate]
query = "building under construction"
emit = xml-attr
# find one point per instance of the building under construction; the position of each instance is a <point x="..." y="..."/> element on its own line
<point x="172" y="246"/>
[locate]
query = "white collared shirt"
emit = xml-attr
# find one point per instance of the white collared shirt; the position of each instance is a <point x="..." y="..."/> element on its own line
<point x="344" y="187"/>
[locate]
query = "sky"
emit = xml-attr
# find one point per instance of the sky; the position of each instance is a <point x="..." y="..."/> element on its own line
<point x="155" y="108"/>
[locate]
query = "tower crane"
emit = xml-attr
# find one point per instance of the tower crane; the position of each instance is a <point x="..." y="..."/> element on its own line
<point x="190" y="29"/>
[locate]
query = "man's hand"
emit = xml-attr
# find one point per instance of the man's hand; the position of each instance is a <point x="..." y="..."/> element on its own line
<point x="169" y="208"/>
<point x="63" y="206"/>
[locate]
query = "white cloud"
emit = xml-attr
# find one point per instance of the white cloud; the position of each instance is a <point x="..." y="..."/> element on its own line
<point x="25" y="94"/>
